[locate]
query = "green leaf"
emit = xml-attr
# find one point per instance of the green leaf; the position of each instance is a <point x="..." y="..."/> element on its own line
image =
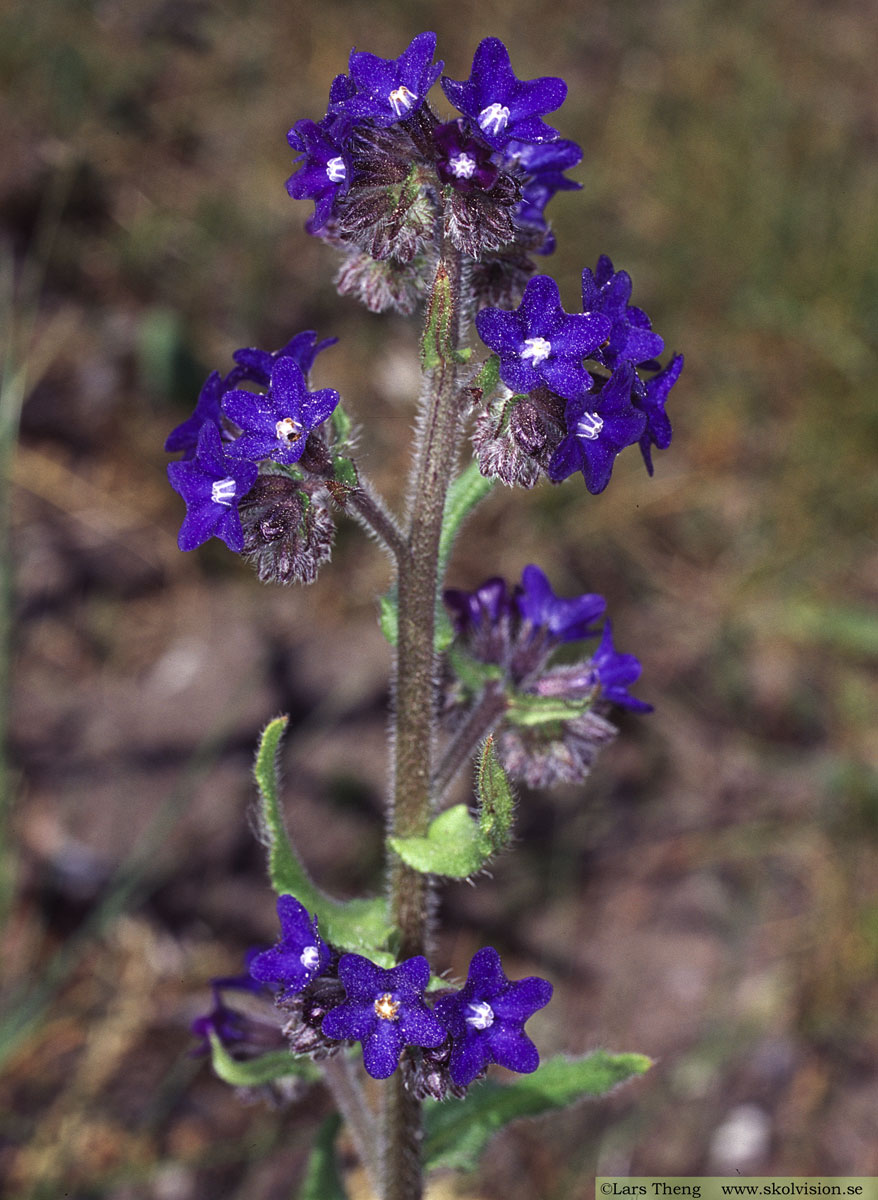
<point x="527" y="709"/>
<point x="322" y="1179"/>
<point x="474" y="675"/>
<point x="457" y="1133"/>
<point x="341" y="424"/>
<point x="256" y="1071"/>
<point x="454" y="846"/>
<point x="464" y="494"/>
<point x="356" y="925"/>
<point x="496" y="800"/>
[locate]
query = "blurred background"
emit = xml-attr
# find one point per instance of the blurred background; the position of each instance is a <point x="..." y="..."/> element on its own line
<point x="710" y="897"/>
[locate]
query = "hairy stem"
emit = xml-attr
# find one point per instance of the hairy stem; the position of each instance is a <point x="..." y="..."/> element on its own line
<point x="436" y="449"/>
<point x="366" y="506"/>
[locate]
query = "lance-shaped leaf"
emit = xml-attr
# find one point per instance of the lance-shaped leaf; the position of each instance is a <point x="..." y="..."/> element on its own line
<point x="322" y="1178"/>
<point x="255" y="1071"/>
<point x="456" y="1134"/>
<point x="356" y="925"/>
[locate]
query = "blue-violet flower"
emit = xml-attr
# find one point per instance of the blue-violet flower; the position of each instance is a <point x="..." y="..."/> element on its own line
<point x="599" y="425"/>
<point x="501" y="105"/>
<point x="384" y="1010"/>
<point x="207" y="411"/>
<point x="300" y="955"/>
<point x="486" y="1019"/>
<point x="539" y="343"/>
<point x="212" y="484"/>
<point x="566" y="620"/>
<point x="612" y="672"/>
<point x="545" y="165"/>
<point x="464" y="161"/>
<point x="257" y="365"/>
<point x="277" y="425"/>
<point x="324" y="167"/>
<point x="631" y="338"/>
<point x="390" y="89"/>
<point x="651" y="401"/>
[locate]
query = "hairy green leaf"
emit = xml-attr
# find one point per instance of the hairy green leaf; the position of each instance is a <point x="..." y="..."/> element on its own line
<point x="489" y="376"/>
<point x="358" y="925"/>
<point x="454" y="846"/>
<point x="458" y="1133"/>
<point x="322" y="1178"/>
<point x="256" y="1071"/>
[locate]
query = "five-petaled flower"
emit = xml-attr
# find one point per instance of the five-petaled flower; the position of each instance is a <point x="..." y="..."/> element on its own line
<point x="631" y="337"/>
<point x="212" y="484"/>
<point x="300" y="955"/>
<point x="276" y="425"/>
<point x="486" y="1019"/>
<point x="599" y="425"/>
<point x="384" y="1010"/>
<point x="539" y="343"/>
<point x="324" y="166"/>
<point x="501" y="105"/>
<point x="386" y="90"/>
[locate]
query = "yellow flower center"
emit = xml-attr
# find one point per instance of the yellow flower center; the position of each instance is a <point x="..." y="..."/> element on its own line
<point x="386" y="1007"/>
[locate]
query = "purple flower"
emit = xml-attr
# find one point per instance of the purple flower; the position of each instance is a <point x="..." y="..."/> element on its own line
<point x="652" y="402"/>
<point x="631" y="337"/>
<point x="257" y="365"/>
<point x="539" y="343"/>
<point x="566" y="620"/>
<point x="464" y="161"/>
<point x="612" y="672"/>
<point x="207" y="412"/>
<point x="300" y="955"/>
<point x="485" y="605"/>
<point x="324" y="167"/>
<point x="384" y="1010"/>
<point x="502" y="106"/>
<point x="388" y="89"/>
<point x="212" y="484"/>
<point x="486" y="1019"/>
<point x="599" y="425"/>
<point x="277" y="425"/>
<point x="233" y="1028"/>
<point x="545" y="166"/>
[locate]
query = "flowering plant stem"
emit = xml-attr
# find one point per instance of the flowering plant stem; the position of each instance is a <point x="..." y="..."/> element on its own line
<point x="436" y="448"/>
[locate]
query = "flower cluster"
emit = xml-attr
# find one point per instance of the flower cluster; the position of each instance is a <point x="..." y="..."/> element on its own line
<point x="332" y="999"/>
<point x="554" y="721"/>
<point x="385" y="172"/>
<point x="556" y="417"/>
<point x="254" y="462"/>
